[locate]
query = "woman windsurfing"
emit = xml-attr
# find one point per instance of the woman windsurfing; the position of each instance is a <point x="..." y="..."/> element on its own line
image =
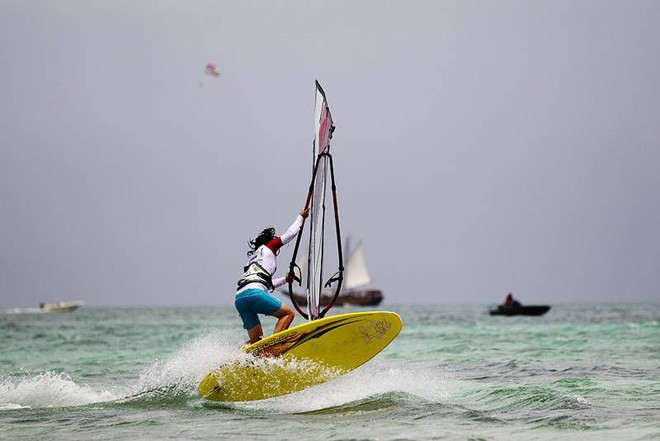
<point x="252" y="296"/>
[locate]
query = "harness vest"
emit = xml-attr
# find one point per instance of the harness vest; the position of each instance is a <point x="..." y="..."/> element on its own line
<point x="255" y="273"/>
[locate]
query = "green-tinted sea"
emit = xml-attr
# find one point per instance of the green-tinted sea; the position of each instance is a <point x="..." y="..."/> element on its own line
<point x="582" y="371"/>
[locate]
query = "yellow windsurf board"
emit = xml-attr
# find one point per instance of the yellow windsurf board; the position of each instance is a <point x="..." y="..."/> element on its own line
<point x="302" y="356"/>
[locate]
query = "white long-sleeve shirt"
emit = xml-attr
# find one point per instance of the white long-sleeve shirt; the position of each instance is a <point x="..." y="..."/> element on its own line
<point x="266" y="256"/>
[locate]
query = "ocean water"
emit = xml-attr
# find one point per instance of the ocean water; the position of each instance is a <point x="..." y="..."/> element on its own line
<point x="582" y="371"/>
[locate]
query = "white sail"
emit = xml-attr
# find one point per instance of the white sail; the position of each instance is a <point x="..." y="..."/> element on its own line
<point x="323" y="131"/>
<point x="357" y="275"/>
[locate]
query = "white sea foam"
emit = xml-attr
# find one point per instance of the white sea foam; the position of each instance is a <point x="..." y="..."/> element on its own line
<point x="182" y="371"/>
<point x="48" y="389"/>
<point x="22" y="311"/>
<point x="178" y="374"/>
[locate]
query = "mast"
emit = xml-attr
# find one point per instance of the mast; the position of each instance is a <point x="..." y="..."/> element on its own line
<point x="347" y="252"/>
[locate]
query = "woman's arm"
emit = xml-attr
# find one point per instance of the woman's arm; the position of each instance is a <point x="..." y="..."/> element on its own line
<point x="282" y="280"/>
<point x="278" y="282"/>
<point x="295" y="226"/>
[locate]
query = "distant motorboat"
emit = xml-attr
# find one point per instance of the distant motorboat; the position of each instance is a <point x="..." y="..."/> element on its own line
<point x="520" y="310"/>
<point x="60" y="306"/>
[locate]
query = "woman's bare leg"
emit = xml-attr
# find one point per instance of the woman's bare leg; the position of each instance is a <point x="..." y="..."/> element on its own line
<point x="255" y="334"/>
<point x="285" y="316"/>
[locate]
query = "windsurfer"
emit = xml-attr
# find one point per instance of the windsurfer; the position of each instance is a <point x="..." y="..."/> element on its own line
<point x="252" y="295"/>
<point x="510" y="302"/>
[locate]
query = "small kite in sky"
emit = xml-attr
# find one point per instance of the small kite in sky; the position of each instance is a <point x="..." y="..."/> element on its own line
<point x="212" y="70"/>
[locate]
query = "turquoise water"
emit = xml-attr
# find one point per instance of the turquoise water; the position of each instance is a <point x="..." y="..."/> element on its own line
<point x="588" y="371"/>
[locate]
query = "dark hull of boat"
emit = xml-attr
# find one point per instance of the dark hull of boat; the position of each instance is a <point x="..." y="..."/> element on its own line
<point x="369" y="297"/>
<point x="520" y="310"/>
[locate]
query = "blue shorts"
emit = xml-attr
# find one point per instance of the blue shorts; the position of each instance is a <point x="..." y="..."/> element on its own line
<point x="251" y="302"/>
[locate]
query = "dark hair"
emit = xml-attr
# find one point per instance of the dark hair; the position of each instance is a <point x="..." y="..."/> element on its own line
<point x="263" y="238"/>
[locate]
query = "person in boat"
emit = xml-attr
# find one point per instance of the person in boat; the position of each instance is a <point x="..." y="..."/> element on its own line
<point x="510" y="302"/>
<point x="252" y="296"/>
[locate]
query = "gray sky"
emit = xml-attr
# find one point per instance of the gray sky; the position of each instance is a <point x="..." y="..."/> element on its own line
<point x="481" y="147"/>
